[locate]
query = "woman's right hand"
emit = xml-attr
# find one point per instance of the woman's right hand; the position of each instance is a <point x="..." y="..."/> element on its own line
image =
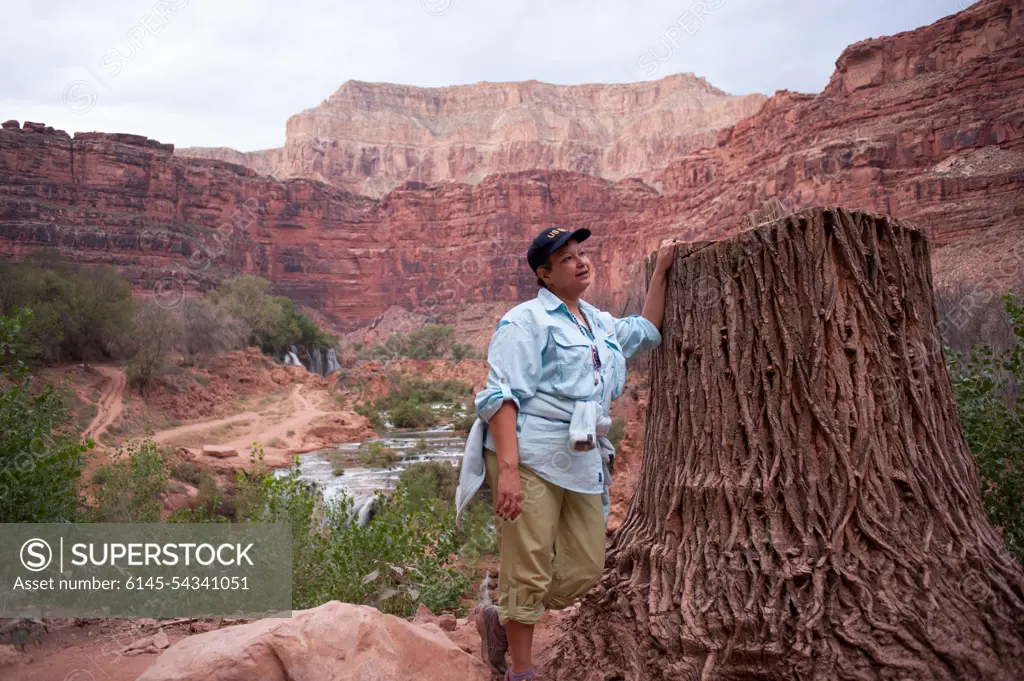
<point x="509" y="502"/>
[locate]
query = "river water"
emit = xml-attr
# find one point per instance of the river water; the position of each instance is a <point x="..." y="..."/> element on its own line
<point x="362" y="484"/>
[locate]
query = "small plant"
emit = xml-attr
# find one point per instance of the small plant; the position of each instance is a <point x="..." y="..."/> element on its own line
<point x="131" y="485"/>
<point x="377" y="455"/>
<point x="425" y="482"/>
<point x="373" y="415"/>
<point x="186" y="471"/>
<point x="411" y="414"/>
<point x="464" y="423"/>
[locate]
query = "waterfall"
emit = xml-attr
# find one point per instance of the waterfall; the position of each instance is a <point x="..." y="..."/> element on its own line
<point x="322" y="361"/>
<point x="365" y="509"/>
<point x="332" y="362"/>
<point x="292" y="358"/>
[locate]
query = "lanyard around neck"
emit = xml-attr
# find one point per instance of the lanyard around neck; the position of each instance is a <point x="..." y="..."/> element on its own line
<point x="593" y="343"/>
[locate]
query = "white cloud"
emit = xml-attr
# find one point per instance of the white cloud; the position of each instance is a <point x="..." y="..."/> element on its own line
<point x="229" y="73"/>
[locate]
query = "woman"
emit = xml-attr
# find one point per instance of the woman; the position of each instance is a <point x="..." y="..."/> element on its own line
<point x="556" y="363"/>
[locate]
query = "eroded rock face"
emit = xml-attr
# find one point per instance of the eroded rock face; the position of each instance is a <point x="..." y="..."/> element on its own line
<point x="339" y="641"/>
<point x="926" y="125"/>
<point x="372" y="137"/>
<point x="930" y="129"/>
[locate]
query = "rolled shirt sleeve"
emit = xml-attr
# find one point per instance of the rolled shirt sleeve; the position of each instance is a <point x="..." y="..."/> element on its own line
<point x="514" y="357"/>
<point x="636" y="334"/>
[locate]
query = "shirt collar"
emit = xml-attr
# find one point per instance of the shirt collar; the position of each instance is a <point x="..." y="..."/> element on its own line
<point x="552" y="302"/>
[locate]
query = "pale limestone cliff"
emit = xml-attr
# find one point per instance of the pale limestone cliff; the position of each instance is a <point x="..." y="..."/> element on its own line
<point x="371" y="137"/>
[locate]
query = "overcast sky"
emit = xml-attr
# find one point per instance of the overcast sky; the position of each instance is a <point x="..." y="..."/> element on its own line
<point x="229" y="73"/>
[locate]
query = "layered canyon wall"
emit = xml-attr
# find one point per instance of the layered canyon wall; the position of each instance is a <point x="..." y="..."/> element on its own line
<point x="369" y="138"/>
<point x="926" y="125"/>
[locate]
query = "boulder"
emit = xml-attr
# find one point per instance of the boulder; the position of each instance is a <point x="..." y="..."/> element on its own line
<point x="219" y="451"/>
<point x="447" y="622"/>
<point x="424" y="616"/>
<point x="147" y="644"/>
<point x="337" y="641"/>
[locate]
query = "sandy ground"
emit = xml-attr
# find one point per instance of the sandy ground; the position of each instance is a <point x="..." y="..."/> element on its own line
<point x="89" y="653"/>
<point x="95" y="652"/>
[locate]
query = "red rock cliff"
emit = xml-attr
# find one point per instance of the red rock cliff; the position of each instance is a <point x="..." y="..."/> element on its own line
<point x="925" y="125"/>
<point x="934" y="136"/>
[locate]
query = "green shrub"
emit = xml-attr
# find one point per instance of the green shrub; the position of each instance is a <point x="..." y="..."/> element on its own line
<point x="420" y="392"/>
<point x="373" y="415"/>
<point x="429" y="341"/>
<point x="132" y="483"/>
<point x="187" y="471"/>
<point x="426" y="482"/>
<point x="461" y="351"/>
<point x="989" y="388"/>
<point x="464" y="423"/>
<point x="378" y="455"/>
<point x="40" y="469"/>
<point x="400" y="559"/>
<point x="411" y="414"/>
<point x="480" y="539"/>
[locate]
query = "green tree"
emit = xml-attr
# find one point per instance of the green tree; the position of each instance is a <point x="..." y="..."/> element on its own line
<point x="40" y="469"/>
<point x="79" y="313"/>
<point x="246" y="298"/>
<point x="208" y="329"/>
<point x="157" y="333"/>
<point x="989" y="388"/>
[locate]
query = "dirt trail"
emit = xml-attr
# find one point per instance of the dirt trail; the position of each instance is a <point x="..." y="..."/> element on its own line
<point x="279" y="427"/>
<point x="111" y="402"/>
<point x="172" y="433"/>
<point x="299" y="419"/>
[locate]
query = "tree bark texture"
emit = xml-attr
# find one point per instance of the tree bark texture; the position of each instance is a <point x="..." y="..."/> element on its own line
<point x="807" y="505"/>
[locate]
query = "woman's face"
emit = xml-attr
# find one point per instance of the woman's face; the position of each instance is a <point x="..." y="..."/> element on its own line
<point x="570" y="270"/>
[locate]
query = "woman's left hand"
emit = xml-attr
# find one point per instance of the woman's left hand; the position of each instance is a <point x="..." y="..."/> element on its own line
<point x="666" y="254"/>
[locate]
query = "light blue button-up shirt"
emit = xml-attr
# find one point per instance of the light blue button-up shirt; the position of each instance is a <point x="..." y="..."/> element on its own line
<point x="538" y="348"/>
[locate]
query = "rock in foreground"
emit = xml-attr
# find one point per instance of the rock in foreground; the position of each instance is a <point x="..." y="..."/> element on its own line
<point x="336" y="641"/>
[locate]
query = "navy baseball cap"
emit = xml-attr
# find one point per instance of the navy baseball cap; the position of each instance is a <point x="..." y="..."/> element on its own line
<point x="549" y="241"/>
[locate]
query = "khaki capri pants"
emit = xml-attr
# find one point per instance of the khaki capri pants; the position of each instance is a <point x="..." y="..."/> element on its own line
<point x="552" y="553"/>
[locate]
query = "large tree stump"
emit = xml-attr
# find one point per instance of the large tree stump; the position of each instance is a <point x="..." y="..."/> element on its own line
<point x="807" y="505"/>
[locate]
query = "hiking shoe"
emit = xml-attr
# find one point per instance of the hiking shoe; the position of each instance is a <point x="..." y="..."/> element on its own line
<point x="493" y="642"/>
<point x="525" y="676"/>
